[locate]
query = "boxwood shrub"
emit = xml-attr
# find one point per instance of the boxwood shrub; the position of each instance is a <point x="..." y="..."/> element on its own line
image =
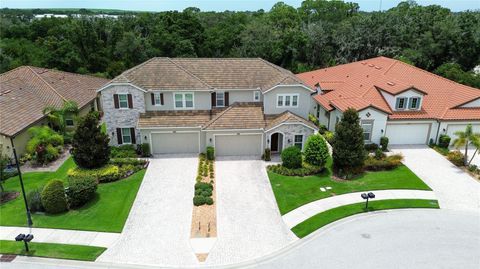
<point x="53" y="197"/>
<point x="292" y="157"/>
<point x="198" y="200"/>
<point x="80" y="191"/>
<point x="444" y="141"/>
<point x="210" y="153"/>
<point x="306" y="170"/>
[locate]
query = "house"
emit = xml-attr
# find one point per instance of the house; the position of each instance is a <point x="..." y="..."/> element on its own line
<point x="394" y="99"/>
<point x="183" y="105"/>
<point x="24" y="93"/>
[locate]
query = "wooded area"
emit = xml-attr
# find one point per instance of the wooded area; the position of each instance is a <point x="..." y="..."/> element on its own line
<point x="318" y="34"/>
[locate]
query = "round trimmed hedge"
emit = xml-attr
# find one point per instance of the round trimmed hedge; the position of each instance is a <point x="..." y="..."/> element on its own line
<point x="316" y="150"/>
<point x="81" y="190"/>
<point x="292" y="157"/>
<point x="53" y="197"/>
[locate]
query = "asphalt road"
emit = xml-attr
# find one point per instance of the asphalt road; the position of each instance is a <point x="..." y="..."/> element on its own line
<point x="426" y="238"/>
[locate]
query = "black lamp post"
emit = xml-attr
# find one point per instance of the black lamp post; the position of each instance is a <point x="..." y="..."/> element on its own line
<point x="29" y="217"/>
<point x="25" y="238"/>
<point x="367" y="196"/>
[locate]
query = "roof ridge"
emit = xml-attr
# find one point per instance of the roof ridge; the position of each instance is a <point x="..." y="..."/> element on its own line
<point x="190" y="73"/>
<point x="282" y="70"/>
<point x="48" y="84"/>
<point x="128" y="71"/>
<point x="68" y="73"/>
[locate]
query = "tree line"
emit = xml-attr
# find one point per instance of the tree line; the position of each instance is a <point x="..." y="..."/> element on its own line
<point x="318" y="34"/>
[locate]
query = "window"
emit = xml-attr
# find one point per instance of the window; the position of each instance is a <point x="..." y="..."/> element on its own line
<point x="287" y="100"/>
<point x="183" y="100"/>
<point x="220" y="99"/>
<point x="69" y="122"/>
<point x="123" y="100"/>
<point x="414" y="103"/>
<point x="401" y="103"/>
<point x="157" y="99"/>
<point x="367" y="127"/>
<point x="126" y="136"/>
<point x="256" y="96"/>
<point x="298" y="141"/>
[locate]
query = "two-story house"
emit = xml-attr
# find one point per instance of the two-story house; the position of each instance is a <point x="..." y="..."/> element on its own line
<point x="394" y="99"/>
<point x="183" y="105"/>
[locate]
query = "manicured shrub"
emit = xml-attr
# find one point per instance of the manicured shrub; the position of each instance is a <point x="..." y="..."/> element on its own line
<point x="210" y="153"/>
<point x="203" y="186"/>
<point x="444" y="141"/>
<point x="53" y="197"/>
<point x="90" y="147"/>
<point x="104" y="174"/>
<point x="126" y="161"/>
<point x="34" y="199"/>
<point x="472" y="168"/>
<point x="456" y="157"/>
<point x="348" y="145"/>
<point x="306" y="170"/>
<point x="209" y="200"/>
<point x="198" y="192"/>
<point x="384" y="143"/>
<point x="329" y="136"/>
<point x="371" y="147"/>
<point x="127" y="170"/>
<point x="267" y="155"/>
<point x="379" y="154"/>
<point x="206" y="193"/>
<point x="145" y="150"/>
<point x="199" y="200"/>
<point x="316" y="150"/>
<point x="387" y="163"/>
<point x="292" y="157"/>
<point x="123" y="151"/>
<point x="80" y="191"/>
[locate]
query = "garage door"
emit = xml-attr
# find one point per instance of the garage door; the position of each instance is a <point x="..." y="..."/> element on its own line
<point x="164" y="143"/>
<point x="237" y="145"/>
<point x="453" y="128"/>
<point x="407" y="133"/>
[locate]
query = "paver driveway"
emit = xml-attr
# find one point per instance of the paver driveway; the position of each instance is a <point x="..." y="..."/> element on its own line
<point x="249" y="223"/>
<point x="158" y="227"/>
<point x="454" y="188"/>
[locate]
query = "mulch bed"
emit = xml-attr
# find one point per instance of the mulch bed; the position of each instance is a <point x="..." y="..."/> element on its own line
<point x="8" y="196"/>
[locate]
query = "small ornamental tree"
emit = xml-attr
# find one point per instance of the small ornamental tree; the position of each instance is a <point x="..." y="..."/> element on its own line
<point x="90" y="147"/>
<point x="348" y="145"/>
<point x="316" y="150"/>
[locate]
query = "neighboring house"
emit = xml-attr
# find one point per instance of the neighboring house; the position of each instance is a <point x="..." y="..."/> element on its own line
<point x="183" y="105"/>
<point x="24" y="93"/>
<point x="394" y="99"/>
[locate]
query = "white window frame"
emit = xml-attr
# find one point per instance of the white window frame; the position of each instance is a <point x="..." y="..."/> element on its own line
<point x="303" y="140"/>
<point x="69" y="125"/>
<point x="256" y="96"/>
<point x="155" y="96"/>
<point x="221" y="99"/>
<point x="184" y="100"/>
<point x="123" y="136"/>
<point x="284" y="100"/>
<point x="367" y="122"/>
<point x="419" y="101"/>
<point x="405" y="103"/>
<point x="120" y="101"/>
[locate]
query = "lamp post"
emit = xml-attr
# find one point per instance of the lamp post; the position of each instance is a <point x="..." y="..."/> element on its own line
<point x="29" y="216"/>
<point x="367" y="196"/>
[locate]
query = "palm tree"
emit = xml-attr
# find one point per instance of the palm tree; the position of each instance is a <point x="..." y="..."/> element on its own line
<point x="464" y="138"/>
<point x="57" y="116"/>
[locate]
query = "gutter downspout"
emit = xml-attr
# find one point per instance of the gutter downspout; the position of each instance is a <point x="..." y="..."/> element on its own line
<point x="438" y="132"/>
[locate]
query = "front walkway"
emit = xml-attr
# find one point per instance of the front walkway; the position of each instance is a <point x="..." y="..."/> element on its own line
<point x="71" y="237"/>
<point x="454" y="188"/>
<point x="157" y="231"/>
<point x="309" y="210"/>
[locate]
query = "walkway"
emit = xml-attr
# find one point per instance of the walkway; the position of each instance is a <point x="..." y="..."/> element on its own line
<point x="454" y="188"/>
<point x="60" y="236"/>
<point x="306" y="211"/>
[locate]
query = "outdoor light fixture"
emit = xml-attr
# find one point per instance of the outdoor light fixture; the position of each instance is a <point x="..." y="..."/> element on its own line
<point x="289" y="140"/>
<point x="145" y="137"/>
<point x="367" y="196"/>
<point x="210" y="140"/>
<point x="381" y="131"/>
<point x="268" y="141"/>
<point x="25" y="238"/>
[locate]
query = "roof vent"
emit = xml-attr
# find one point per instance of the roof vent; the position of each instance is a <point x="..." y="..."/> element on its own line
<point x="391" y="83"/>
<point x="371" y="65"/>
<point x="378" y="67"/>
<point x="368" y="76"/>
<point x="364" y="63"/>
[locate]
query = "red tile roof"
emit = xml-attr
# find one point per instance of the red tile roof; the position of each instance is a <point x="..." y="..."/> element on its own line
<point x="358" y="85"/>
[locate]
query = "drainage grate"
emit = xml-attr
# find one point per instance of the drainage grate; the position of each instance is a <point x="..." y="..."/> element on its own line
<point x="7" y="258"/>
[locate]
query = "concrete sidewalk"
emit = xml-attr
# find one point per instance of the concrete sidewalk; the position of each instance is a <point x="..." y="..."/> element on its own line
<point x="72" y="237"/>
<point x="304" y="212"/>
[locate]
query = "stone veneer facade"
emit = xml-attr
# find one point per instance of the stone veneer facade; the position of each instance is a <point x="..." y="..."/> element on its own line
<point x="289" y="131"/>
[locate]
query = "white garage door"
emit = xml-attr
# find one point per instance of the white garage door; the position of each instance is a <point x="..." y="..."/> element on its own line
<point x="453" y="128"/>
<point x="164" y="143"/>
<point x="237" y="145"/>
<point x="407" y="133"/>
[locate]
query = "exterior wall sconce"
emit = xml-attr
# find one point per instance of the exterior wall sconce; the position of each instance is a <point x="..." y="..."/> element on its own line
<point x="289" y="140"/>
<point x="145" y="138"/>
<point x="381" y="131"/>
<point x="210" y="140"/>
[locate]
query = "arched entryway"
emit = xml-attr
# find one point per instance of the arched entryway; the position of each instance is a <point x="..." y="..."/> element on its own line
<point x="276" y="142"/>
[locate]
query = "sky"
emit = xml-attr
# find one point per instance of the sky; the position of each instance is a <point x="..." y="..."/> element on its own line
<point x="216" y="5"/>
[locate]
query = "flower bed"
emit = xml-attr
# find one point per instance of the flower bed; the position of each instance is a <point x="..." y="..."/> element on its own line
<point x="305" y="170"/>
<point x="115" y="170"/>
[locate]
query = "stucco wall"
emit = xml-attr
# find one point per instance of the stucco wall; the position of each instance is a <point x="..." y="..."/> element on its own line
<point x="379" y="122"/>
<point x="323" y="116"/>
<point x="333" y="119"/>
<point x="242" y="96"/>
<point x="305" y="101"/>
<point x="201" y="100"/>
<point x="288" y="131"/>
<point x="392" y="99"/>
<point x="121" y="118"/>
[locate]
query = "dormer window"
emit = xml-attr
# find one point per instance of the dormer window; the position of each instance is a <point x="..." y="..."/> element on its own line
<point x="401" y="103"/>
<point x="414" y="103"/>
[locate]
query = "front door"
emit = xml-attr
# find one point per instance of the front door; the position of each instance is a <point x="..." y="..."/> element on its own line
<point x="274" y="142"/>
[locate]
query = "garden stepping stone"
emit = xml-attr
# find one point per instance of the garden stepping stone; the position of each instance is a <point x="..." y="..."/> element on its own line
<point x="329" y="188"/>
<point x="323" y="189"/>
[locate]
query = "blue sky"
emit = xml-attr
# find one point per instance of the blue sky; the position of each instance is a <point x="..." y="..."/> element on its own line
<point x="215" y="5"/>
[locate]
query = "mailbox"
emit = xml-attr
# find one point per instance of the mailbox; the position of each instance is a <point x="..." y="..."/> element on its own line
<point x="20" y="237"/>
<point x="364" y="196"/>
<point x="371" y="195"/>
<point x="28" y="238"/>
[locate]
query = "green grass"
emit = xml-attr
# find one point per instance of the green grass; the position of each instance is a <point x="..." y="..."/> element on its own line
<point x="310" y="225"/>
<point x="49" y="250"/>
<point x="107" y="212"/>
<point x="293" y="192"/>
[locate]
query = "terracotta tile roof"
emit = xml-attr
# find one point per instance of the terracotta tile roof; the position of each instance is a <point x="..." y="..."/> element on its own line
<point x="358" y="85"/>
<point x="207" y="74"/>
<point x="239" y="116"/>
<point x="286" y="117"/>
<point x="25" y="91"/>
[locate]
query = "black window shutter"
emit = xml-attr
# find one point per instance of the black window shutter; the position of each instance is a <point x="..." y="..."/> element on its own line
<point x="115" y="101"/>
<point x="153" y="98"/>
<point x="227" y="103"/>
<point x="214" y="99"/>
<point x="130" y="101"/>
<point x="161" y="99"/>
<point x="119" y="136"/>
<point x="132" y="134"/>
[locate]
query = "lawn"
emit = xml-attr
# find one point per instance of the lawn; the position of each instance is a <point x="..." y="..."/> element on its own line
<point x="312" y="224"/>
<point x="106" y="213"/>
<point x="49" y="250"/>
<point x="293" y="192"/>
